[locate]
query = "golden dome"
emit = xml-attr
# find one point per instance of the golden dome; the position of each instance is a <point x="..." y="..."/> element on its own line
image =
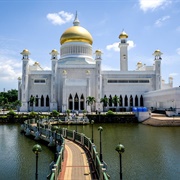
<point x="123" y="35"/>
<point x="157" y="52"/>
<point x="98" y="51"/>
<point x="54" y="51"/>
<point x="25" y="52"/>
<point x="139" y="63"/>
<point x="76" y="34"/>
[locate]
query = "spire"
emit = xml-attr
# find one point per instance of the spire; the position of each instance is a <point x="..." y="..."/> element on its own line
<point x="76" y="20"/>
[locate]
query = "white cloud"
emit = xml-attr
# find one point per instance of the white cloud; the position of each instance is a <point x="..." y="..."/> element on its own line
<point x="60" y="17"/>
<point x="115" y="45"/>
<point x="173" y="74"/>
<point x="146" y="5"/>
<point x="131" y="44"/>
<point x="178" y="50"/>
<point x="160" y="21"/>
<point x="9" y="69"/>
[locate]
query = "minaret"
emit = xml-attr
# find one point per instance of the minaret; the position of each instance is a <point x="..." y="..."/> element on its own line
<point x="98" y="59"/>
<point x="157" y="58"/>
<point x="25" y="71"/>
<point x="54" y="57"/>
<point x="123" y="45"/>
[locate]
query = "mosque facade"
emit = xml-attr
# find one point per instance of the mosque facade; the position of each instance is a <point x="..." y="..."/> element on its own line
<point x="76" y="74"/>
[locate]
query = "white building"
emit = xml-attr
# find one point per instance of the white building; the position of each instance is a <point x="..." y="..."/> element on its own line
<point x="77" y="74"/>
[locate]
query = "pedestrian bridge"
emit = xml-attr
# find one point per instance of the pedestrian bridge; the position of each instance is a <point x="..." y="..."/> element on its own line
<point x="76" y="156"/>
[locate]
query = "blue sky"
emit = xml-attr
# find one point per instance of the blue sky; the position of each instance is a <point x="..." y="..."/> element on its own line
<point x="38" y="25"/>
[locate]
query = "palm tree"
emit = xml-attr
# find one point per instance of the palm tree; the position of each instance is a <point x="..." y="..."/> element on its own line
<point x="90" y="100"/>
<point x="105" y="101"/>
<point x="115" y="100"/>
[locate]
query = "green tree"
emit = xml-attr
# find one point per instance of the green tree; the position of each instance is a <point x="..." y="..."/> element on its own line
<point x="115" y="100"/>
<point x="105" y="101"/>
<point x="90" y="100"/>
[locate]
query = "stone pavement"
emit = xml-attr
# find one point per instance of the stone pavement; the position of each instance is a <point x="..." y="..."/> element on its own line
<point x="75" y="165"/>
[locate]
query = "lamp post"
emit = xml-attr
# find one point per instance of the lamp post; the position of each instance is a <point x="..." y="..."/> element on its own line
<point x="100" y="130"/>
<point x="76" y="123"/>
<point x="120" y="149"/>
<point x="36" y="149"/>
<point x="55" y="128"/>
<point x="92" y="122"/>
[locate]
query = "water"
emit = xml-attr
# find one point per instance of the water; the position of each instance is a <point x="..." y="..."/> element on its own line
<point x="151" y="153"/>
<point x="17" y="161"/>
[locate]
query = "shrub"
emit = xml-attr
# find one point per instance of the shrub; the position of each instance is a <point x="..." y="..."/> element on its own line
<point x="55" y="113"/>
<point x="110" y="112"/>
<point x="32" y="114"/>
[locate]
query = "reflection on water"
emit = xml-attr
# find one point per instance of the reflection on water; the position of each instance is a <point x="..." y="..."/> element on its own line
<point x="17" y="161"/>
<point x="151" y="153"/>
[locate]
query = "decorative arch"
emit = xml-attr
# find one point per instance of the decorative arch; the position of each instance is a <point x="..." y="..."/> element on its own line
<point x="136" y="100"/>
<point x="36" y="101"/>
<point x="82" y="102"/>
<point x="131" y="101"/>
<point x="42" y="101"/>
<point x="70" y="102"/>
<point x="47" y="101"/>
<point x="126" y="101"/>
<point x="141" y="101"/>
<point x="120" y="101"/>
<point x="110" y="100"/>
<point x="76" y="102"/>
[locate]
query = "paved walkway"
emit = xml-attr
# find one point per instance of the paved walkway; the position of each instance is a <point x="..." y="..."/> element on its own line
<point x="75" y="165"/>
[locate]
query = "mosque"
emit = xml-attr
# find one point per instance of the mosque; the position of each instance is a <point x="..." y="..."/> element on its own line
<point x="76" y="75"/>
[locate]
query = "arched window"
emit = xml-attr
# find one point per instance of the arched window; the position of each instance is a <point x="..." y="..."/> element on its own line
<point x="141" y="101"/>
<point x="115" y="100"/>
<point x="47" y="101"/>
<point x="131" y="101"/>
<point x="126" y="100"/>
<point x="110" y="100"/>
<point x="42" y="101"/>
<point x="31" y="101"/>
<point x="76" y="102"/>
<point x="82" y="102"/>
<point x="120" y="101"/>
<point x="70" y="102"/>
<point x="36" y="101"/>
<point x="136" y="100"/>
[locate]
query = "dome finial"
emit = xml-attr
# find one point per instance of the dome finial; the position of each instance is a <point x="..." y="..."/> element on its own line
<point x="76" y="20"/>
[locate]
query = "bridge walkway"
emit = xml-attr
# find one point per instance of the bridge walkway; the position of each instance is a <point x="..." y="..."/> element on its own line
<point x="77" y="163"/>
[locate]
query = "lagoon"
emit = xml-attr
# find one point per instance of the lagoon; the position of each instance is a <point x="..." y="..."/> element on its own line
<point x="150" y="152"/>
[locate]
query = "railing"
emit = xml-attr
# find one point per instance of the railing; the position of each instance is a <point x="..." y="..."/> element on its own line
<point x="33" y="127"/>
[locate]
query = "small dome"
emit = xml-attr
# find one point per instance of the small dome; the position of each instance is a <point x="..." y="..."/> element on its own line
<point x="98" y="51"/>
<point x="123" y="35"/>
<point x="139" y="63"/>
<point x="157" y="52"/>
<point x="25" y="52"/>
<point x="19" y="78"/>
<point x="54" y="51"/>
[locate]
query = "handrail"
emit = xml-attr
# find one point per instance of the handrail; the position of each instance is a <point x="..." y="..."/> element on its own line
<point x="33" y="127"/>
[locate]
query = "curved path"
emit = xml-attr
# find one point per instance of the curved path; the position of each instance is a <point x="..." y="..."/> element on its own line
<point x="76" y="165"/>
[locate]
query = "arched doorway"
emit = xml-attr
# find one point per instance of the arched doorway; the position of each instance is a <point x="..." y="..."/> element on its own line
<point x="141" y="101"/>
<point x="76" y="102"/>
<point x="136" y="101"/>
<point x="82" y="102"/>
<point x="70" y="102"/>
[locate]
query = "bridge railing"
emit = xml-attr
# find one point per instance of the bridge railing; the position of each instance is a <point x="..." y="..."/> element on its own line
<point x="47" y="134"/>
